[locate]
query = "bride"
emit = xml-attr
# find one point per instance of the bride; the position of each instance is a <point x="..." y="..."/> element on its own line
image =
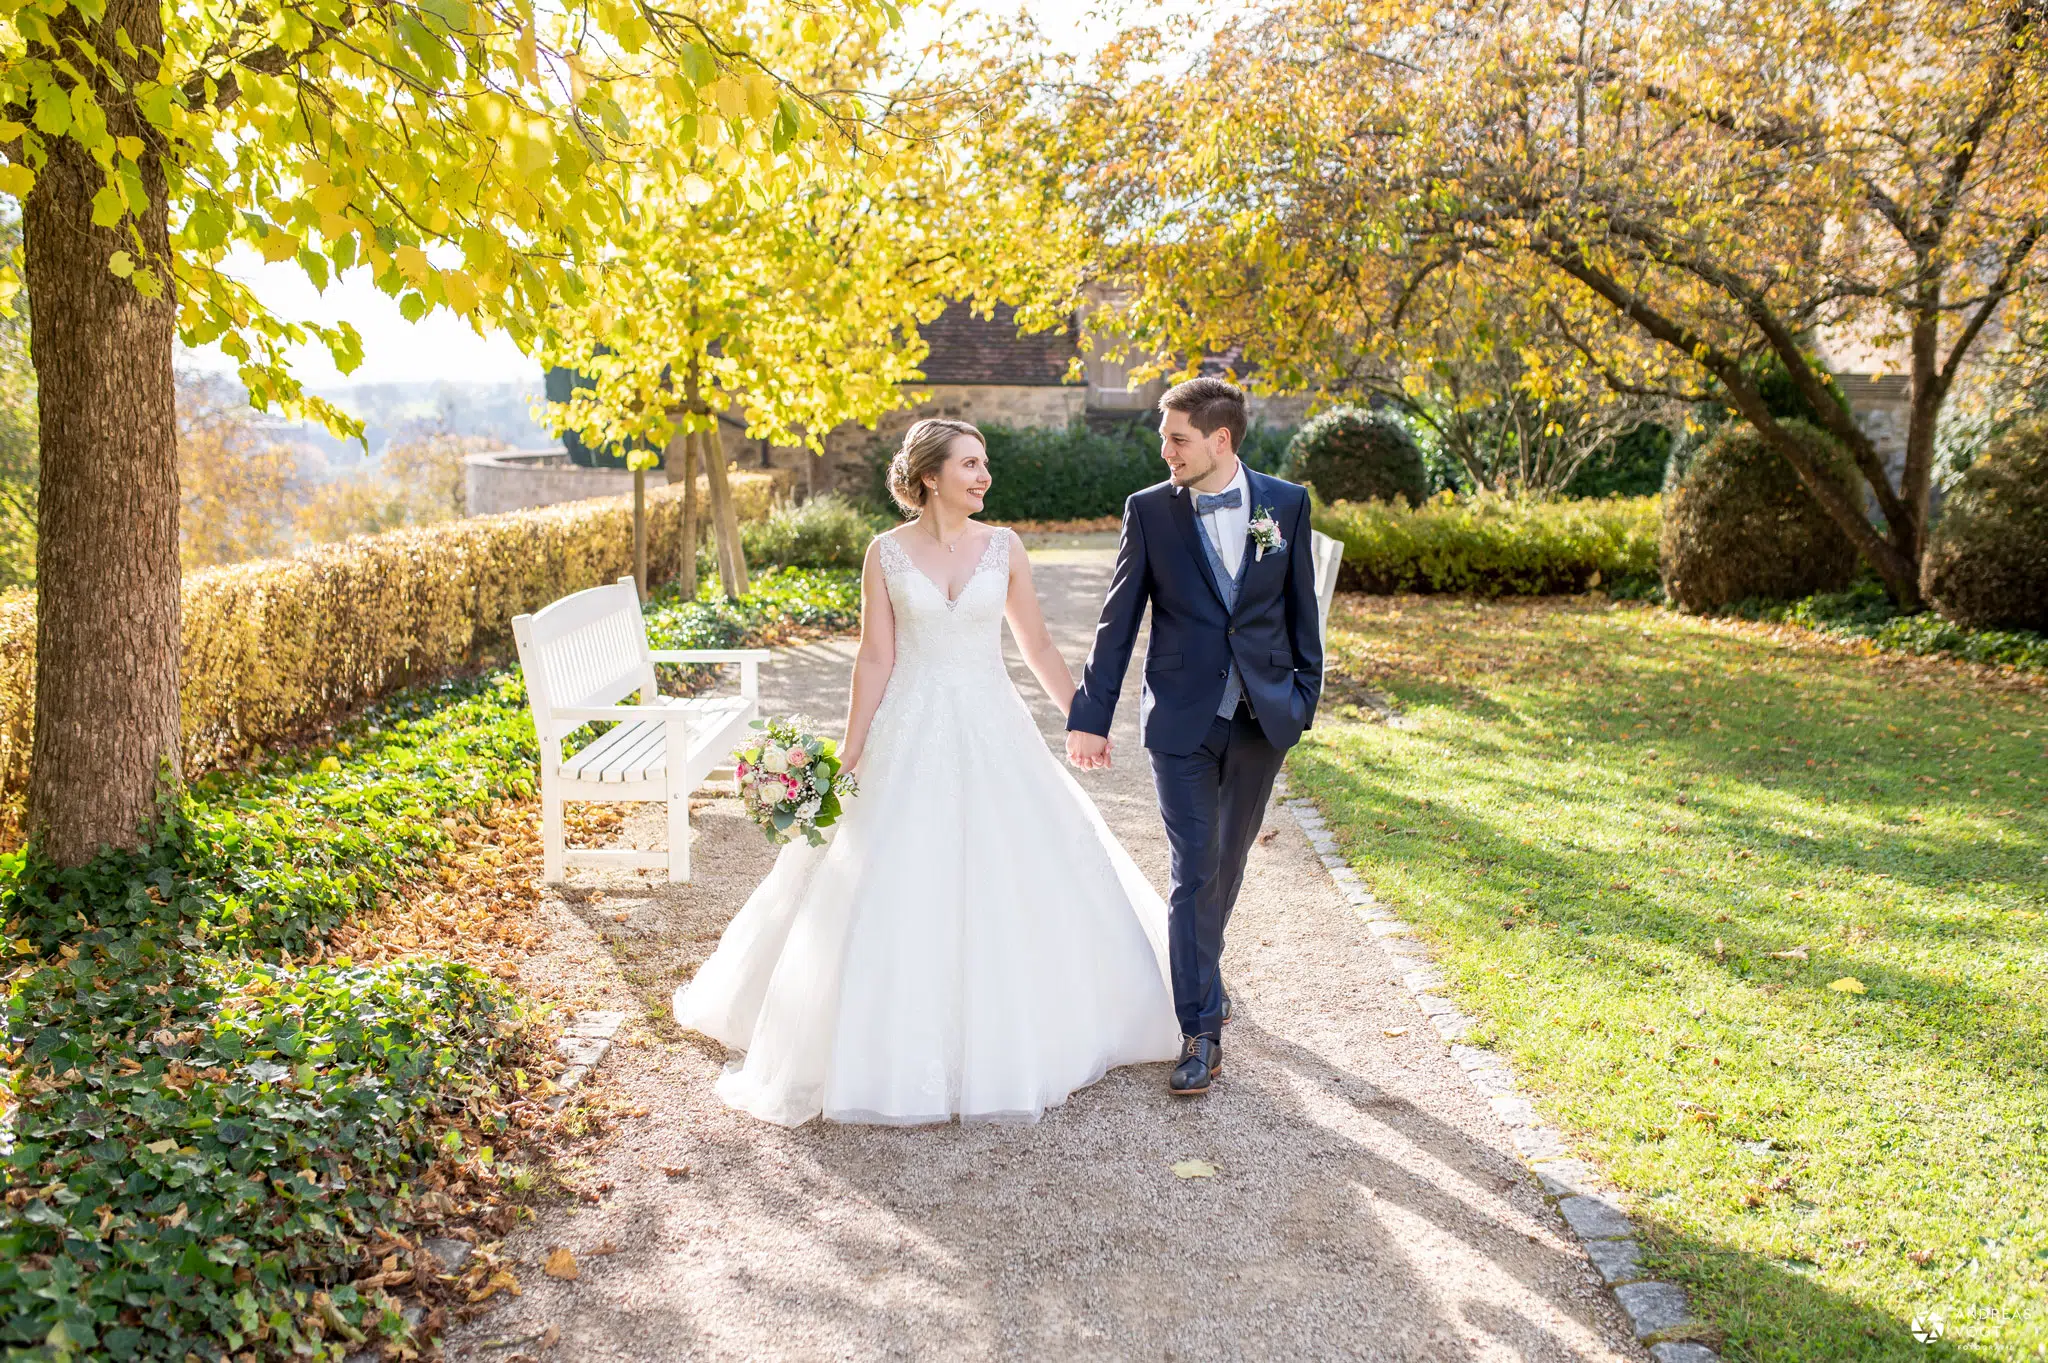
<point x="972" y="942"/>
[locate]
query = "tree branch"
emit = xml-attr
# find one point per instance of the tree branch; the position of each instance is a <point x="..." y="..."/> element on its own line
<point x="2000" y="289"/>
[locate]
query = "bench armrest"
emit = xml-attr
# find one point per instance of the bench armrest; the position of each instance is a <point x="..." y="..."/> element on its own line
<point x="749" y="659"/>
<point x="710" y="655"/>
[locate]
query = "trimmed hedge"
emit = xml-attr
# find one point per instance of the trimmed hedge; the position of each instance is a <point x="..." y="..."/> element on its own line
<point x="1741" y="524"/>
<point x="1075" y="473"/>
<point x="1987" y="563"/>
<point x="1487" y="546"/>
<point x="1054" y="475"/>
<point x="272" y="647"/>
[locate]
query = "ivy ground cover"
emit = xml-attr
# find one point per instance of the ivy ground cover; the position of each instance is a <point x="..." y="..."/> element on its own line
<point x="217" y="1139"/>
<point x="1760" y="921"/>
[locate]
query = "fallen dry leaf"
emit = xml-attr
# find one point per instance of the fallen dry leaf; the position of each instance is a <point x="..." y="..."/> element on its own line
<point x="561" y="1264"/>
<point x="1394" y="1031"/>
<point x="1269" y="835"/>
<point x="1848" y="984"/>
<point x="501" y="1281"/>
<point x="1795" y="954"/>
<point x="606" y="1248"/>
<point x="676" y="1170"/>
<point x="1195" y="1168"/>
<point x="551" y="1337"/>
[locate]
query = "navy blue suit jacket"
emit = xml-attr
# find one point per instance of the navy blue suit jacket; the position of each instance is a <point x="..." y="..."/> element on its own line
<point x="1274" y="632"/>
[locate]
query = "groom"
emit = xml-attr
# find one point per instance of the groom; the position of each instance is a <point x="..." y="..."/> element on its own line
<point x="1231" y="677"/>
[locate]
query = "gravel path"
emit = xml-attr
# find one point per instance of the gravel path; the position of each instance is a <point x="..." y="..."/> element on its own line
<point x="1367" y="1204"/>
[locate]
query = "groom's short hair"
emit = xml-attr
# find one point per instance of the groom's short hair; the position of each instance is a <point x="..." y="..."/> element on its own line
<point x="1210" y="403"/>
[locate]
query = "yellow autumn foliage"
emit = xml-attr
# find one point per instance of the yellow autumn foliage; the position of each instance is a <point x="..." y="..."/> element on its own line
<point x="272" y="647"/>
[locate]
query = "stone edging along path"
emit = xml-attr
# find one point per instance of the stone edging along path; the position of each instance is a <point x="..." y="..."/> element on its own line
<point x="1654" y="1309"/>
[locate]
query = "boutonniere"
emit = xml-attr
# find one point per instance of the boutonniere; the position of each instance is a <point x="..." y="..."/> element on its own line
<point x="1265" y="532"/>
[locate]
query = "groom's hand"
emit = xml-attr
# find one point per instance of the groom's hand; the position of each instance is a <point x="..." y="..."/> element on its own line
<point x="1089" y="752"/>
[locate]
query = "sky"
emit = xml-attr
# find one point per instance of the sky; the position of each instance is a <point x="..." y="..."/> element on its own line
<point x="443" y="347"/>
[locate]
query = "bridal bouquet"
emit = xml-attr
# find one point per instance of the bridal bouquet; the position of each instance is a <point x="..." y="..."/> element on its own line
<point x="790" y="780"/>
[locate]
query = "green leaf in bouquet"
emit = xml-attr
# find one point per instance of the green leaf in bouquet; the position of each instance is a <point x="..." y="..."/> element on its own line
<point x="783" y="819"/>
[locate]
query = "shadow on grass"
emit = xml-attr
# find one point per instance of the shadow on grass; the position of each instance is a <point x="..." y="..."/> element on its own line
<point x="1639" y="927"/>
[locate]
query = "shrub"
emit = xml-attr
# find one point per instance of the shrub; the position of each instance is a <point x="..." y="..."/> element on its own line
<point x="1349" y="454"/>
<point x="1488" y="546"/>
<point x="1987" y="563"/>
<point x="1740" y="524"/>
<point x="824" y="532"/>
<point x="1866" y="611"/>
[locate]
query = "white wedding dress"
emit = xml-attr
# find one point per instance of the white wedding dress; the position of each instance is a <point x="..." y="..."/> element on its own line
<point x="972" y="941"/>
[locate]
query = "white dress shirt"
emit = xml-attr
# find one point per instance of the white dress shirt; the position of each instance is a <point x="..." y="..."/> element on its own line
<point x="1226" y="526"/>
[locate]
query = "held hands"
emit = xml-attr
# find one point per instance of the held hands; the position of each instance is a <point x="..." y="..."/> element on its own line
<point x="1088" y="752"/>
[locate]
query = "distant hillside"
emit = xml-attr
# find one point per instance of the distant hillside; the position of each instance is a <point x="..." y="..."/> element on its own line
<point x="392" y="411"/>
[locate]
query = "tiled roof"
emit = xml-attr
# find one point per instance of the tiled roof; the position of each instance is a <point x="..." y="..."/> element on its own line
<point x="970" y="349"/>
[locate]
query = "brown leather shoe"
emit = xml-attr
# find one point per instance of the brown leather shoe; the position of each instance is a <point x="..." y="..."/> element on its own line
<point x="1201" y="1062"/>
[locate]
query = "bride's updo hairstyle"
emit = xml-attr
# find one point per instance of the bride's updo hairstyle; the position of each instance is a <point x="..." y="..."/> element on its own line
<point x="924" y="452"/>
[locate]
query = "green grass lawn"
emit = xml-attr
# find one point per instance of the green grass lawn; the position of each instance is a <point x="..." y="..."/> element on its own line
<point x="1759" y="920"/>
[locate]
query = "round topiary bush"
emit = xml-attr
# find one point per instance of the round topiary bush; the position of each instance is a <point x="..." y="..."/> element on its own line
<point x="1353" y="455"/>
<point x="1987" y="562"/>
<point x="1740" y="524"/>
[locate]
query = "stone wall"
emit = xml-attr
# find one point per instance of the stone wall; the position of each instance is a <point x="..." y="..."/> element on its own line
<point x="513" y="480"/>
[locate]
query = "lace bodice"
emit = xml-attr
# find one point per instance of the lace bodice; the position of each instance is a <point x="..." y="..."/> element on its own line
<point x="948" y="639"/>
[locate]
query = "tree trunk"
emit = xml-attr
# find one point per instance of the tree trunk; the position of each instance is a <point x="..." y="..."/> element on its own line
<point x="107" y="616"/>
<point x="680" y="461"/>
<point x="640" y="533"/>
<point x="732" y="560"/>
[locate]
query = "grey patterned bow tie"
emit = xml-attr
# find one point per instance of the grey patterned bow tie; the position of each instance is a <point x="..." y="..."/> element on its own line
<point x="1205" y="502"/>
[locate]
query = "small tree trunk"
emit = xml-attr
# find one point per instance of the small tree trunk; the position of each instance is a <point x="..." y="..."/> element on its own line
<point x="732" y="560"/>
<point x="640" y="532"/>
<point x="107" y="617"/>
<point x="681" y="463"/>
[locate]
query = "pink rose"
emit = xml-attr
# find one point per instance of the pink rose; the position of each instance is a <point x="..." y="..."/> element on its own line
<point x="798" y="757"/>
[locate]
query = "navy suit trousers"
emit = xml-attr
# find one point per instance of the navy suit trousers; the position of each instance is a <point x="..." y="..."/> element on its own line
<point x="1213" y="800"/>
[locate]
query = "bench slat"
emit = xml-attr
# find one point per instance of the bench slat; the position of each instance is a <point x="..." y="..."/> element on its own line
<point x="590" y="760"/>
<point x="644" y="752"/>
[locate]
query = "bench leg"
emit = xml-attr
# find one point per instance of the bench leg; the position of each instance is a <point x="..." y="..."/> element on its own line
<point x="553" y="868"/>
<point x="679" y="837"/>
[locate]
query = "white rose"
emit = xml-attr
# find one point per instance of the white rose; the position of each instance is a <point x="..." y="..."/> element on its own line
<point x="768" y="795"/>
<point x="808" y="810"/>
<point x="775" y="761"/>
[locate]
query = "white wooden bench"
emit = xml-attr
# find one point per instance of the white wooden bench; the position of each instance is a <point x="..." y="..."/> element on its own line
<point x="1327" y="554"/>
<point x="582" y="656"/>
